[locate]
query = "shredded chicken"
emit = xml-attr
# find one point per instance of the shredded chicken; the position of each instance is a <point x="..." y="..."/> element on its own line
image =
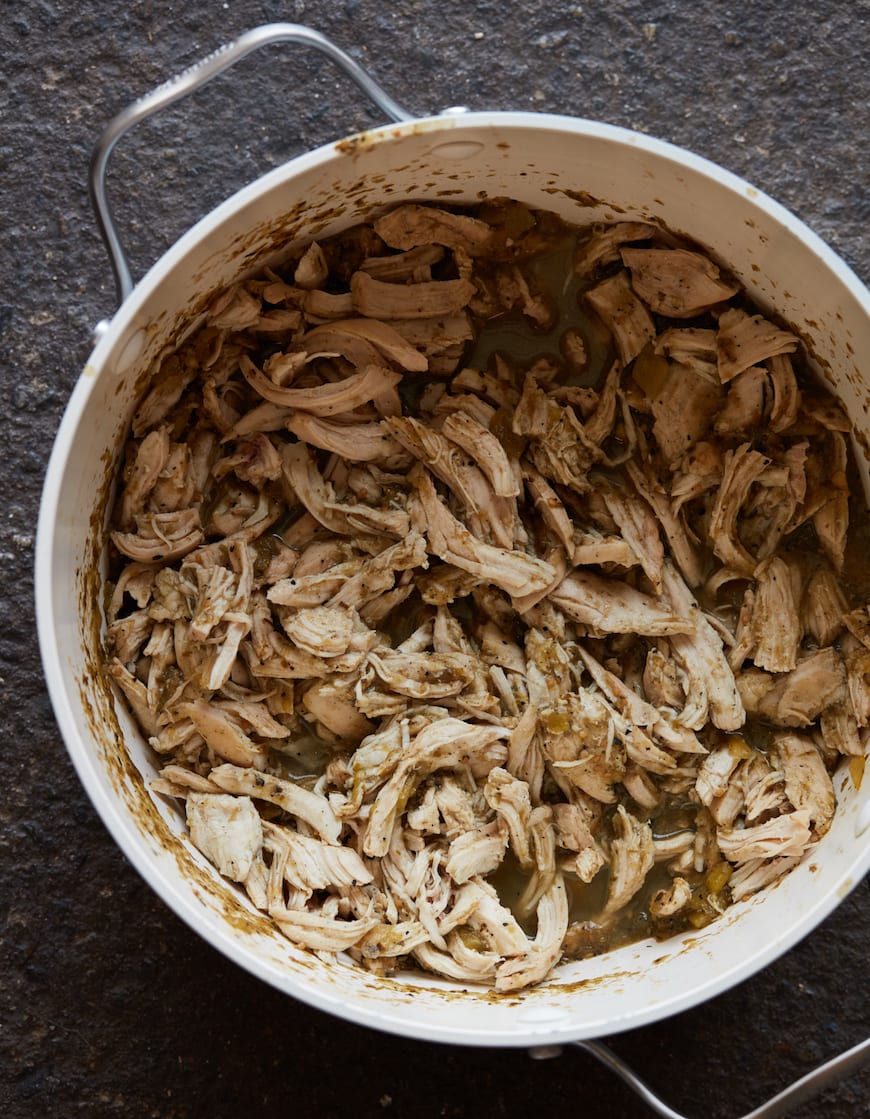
<point x="430" y="644"/>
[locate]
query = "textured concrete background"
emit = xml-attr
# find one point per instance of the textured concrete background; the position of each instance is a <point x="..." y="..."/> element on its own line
<point x="108" y="1004"/>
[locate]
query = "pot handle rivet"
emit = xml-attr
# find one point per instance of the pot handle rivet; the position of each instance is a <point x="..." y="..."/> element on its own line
<point x="186" y="82"/>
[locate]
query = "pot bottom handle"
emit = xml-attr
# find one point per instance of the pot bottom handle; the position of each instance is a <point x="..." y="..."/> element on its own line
<point x="186" y="82"/>
<point x="802" y="1090"/>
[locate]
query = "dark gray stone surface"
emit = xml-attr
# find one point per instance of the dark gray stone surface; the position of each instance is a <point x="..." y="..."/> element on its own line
<point x="108" y="1004"/>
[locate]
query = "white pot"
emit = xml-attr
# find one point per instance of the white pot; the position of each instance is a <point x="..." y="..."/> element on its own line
<point x="549" y="162"/>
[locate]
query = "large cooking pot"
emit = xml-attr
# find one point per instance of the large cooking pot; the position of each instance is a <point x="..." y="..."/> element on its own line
<point x="585" y="172"/>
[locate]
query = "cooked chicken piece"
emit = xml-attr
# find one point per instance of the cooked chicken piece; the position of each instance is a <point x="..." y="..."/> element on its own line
<point x="216" y="595"/>
<point x="478" y="904"/>
<point x="655" y="495"/>
<point x="676" y="282"/>
<point x="500" y="392"/>
<point x="364" y="342"/>
<point x="175" y="374"/>
<point x="384" y="301"/>
<point x="701" y="655"/>
<point x="160" y="652"/>
<point x="561" y="446"/>
<point x="468" y="404"/>
<point x="628" y="321"/>
<point x="424" y="675"/>
<point x="603" y="246"/>
<point x="412" y="225"/>
<point x="312" y="865"/>
<point x="783" y="835"/>
<point x="786" y="394"/>
<point x="831" y="523"/>
<point x="545" y="949"/>
<point x="478" y="852"/>
<point x="177" y="780"/>
<point x="496" y="648"/>
<point x="542" y="842"/>
<point x="161" y="536"/>
<point x="797" y="698"/>
<point x="640" y="530"/>
<point x="319" y="932"/>
<point x="635" y="713"/>
<point x="580" y="747"/>
<point x="716" y="771"/>
<point x="692" y="347"/>
<point x="126" y="636"/>
<point x="632" y="854"/>
<point x="443" y="745"/>
<point x="152" y="455"/>
<point x="807" y="783"/>
<point x="493" y="515"/>
<point x="755" y="874"/>
<point x="441" y="339"/>
<point x="406" y="267"/>
<point x="776" y="625"/>
<point x="235" y="309"/>
<point x="227" y="830"/>
<point x="223" y="735"/>
<point x="255" y="461"/>
<point x="823" y="606"/>
<point x="550" y="508"/>
<point x="609" y="606"/>
<point x="486" y="450"/>
<point x="136" y="580"/>
<point x="327" y="399"/>
<point x="573" y="833"/>
<point x="377" y="575"/>
<point x="315" y="590"/>
<point x="136" y="695"/>
<point x="312" y="269"/>
<point x="743" y="467"/>
<point x="857" y="622"/>
<point x="512" y="570"/>
<point x="744" y="340"/>
<point x="298" y="801"/>
<point x="509" y="797"/>
<point x="760" y="793"/>
<point x="839" y="732"/>
<point x="325" y="631"/>
<point x="745" y="404"/>
<point x="358" y="442"/>
<point x="460" y="809"/>
<point x="695" y="473"/>
<point x="592" y="550"/>
<point x="325" y="306"/>
<point x="318" y="497"/>
<point x="672" y="900"/>
<point x="641" y="787"/>
<point x="857" y="659"/>
<point x="661" y="680"/>
<point x="683" y="407"/>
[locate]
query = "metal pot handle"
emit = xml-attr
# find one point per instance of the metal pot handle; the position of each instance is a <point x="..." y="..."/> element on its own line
<point x="797" y="1093"/>
<point x="186" y="82"/>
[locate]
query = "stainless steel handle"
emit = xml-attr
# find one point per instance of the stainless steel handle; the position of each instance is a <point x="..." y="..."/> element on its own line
<point x="185" y="83"/>
<point x="802" y="1090"/>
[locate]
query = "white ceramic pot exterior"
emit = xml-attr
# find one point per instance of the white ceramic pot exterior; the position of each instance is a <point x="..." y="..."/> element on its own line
<point x="561" y="164"/>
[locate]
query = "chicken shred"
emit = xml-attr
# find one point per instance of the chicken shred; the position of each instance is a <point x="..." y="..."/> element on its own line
<point x="434" y="642"/>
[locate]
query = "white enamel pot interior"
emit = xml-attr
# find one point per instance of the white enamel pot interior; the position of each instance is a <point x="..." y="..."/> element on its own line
<point x="585" y="172"/>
